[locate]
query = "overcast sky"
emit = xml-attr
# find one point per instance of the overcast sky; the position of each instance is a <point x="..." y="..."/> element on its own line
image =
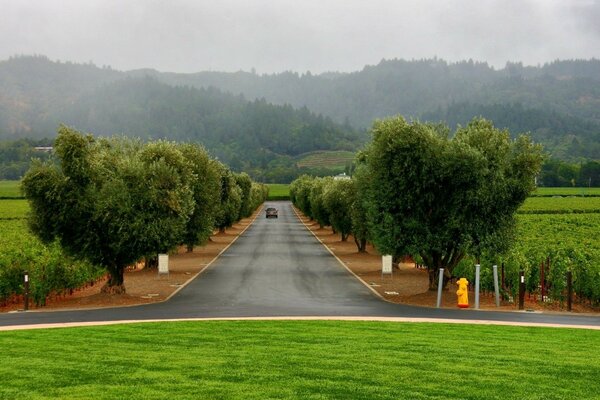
<point x="298" y="35"/>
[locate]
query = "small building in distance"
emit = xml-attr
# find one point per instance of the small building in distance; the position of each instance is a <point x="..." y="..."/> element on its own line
<point x="45" y="149"/>
<point x="341" y="176"/>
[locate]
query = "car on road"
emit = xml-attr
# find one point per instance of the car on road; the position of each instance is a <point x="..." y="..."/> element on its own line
<point x="271" y="212"/>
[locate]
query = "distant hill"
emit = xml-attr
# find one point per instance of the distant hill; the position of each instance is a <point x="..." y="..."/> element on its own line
<point x="247" y="135"/>
<point x="558" y="102"/>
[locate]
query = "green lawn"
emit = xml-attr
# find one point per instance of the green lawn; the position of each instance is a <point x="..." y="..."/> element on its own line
<point x="278" y="191"/>
<point x="10" y="189"/>
<point x="300" y="360"/>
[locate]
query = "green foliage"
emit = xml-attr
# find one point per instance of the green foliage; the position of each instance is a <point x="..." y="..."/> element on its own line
<point x="206" y="188"/>
<point x="15" y="157"/>
<point x="244" y="182"/>
<point x="318" y="210"/>
<point x="300" y="194"/>
<point x="50" y="270"/>
<point x="230" y="199"/>
<point x="338" y="198"/>
<point x="358" y="212"/>
<point x="442" y="198"/>
<point x="560" y="173"/>
<point x="110" y="202"/>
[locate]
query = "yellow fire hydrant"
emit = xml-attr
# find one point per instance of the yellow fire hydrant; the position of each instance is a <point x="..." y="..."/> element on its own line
<point x="463" y="293"/>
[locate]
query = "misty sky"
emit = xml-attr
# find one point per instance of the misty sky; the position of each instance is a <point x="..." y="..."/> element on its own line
<point x="298" y="35"/>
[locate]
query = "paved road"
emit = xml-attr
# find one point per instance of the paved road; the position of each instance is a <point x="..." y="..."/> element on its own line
<point x="277" y="268"/>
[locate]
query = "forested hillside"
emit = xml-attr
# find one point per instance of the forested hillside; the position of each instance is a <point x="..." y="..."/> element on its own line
<point x="558" y="102"/>
<point x="255" y="136"/>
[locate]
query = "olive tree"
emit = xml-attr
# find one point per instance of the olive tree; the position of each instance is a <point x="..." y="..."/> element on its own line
<point x="230" y="199"/>
<point x="206" y="188"/>
<point x="440" y="197"/>
<point x="110" y="201"/>
<point x="300" y="194"/>
<point x="338" y="200"/>
<point x="318" y="211"/>
<point x="358" y="211"/>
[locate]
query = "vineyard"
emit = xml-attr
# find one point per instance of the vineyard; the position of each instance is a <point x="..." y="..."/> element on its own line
<point x="9" y="189"/>
<point x="566" y="191"/>
<point x="50" y="270"/>
<point x="326" y="159"/>
<point x="561" y="205"/>
<point x="554" y="235"/>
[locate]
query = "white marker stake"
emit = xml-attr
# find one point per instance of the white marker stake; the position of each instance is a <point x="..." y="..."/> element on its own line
<point x="477" y="270"/>
<point x="440" y="284"/>
<point x="163" y="264"/>
<point x="386" y="265"/>
<point x="496" y="288"/>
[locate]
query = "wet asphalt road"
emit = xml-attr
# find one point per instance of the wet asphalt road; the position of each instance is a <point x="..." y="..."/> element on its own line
<point x="277" y="268"/>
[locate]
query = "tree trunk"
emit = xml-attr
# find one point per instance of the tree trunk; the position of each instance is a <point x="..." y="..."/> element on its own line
<point x="222" y="229"/>
<point x="344" y="237"/>
<point x="115" y="281"/>
<point x="151" y="262"/>
<point x="361" y="245"/>
<point x="190" y="248"/>
<point x="434" y="274"/>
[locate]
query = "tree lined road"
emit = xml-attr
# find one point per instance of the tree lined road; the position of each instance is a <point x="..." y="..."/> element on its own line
<point x="277" y="268"/>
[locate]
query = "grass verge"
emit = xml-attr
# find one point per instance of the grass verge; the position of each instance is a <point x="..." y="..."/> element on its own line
<point x="300" y="360"/>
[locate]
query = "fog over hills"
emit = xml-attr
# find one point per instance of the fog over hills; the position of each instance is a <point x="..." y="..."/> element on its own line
<point x="558" y="102"/>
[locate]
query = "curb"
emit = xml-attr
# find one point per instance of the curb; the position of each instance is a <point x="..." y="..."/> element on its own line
<point x="283" y="319"/>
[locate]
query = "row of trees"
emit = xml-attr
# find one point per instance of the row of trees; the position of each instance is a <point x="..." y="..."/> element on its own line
<point x="115" y="201"/>
<point x="418" y="191"/>
<point x="558" y="173"/>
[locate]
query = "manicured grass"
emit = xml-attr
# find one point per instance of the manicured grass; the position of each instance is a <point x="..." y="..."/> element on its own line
<point x="278" y="191"/>
<point x="13" y="208"/>
<point x="300" y="360"/>
<point x="10" y="189"/>
<point x="567" y="191"/>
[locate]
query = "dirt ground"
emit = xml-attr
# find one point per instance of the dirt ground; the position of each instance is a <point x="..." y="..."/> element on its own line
<point x="408" y="284"/>
<point x="143" y="285"/>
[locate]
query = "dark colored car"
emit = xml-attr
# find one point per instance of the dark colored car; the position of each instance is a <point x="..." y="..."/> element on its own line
<point x="271" y="212"/>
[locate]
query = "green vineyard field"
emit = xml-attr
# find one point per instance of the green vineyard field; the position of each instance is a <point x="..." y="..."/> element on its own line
<point x="13" y="209"/>
<point x="326" y="159"/>
<point x="50" y="270"/>
<point x="559" y="205"/>
<point x="566" y="191"/>
<point x="10" y="189"/>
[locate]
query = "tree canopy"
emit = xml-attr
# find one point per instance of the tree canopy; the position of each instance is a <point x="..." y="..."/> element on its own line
<point x="438" y="197"/>
<point x="114" y="201"/>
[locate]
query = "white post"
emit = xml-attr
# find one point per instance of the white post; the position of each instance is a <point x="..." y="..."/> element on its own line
<point x="440" y="284"/>
<point x="386" y="265"/>
<point x="163" y="264"/>
<point x="496" y="288"/>
<point x="477" y="270"/>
